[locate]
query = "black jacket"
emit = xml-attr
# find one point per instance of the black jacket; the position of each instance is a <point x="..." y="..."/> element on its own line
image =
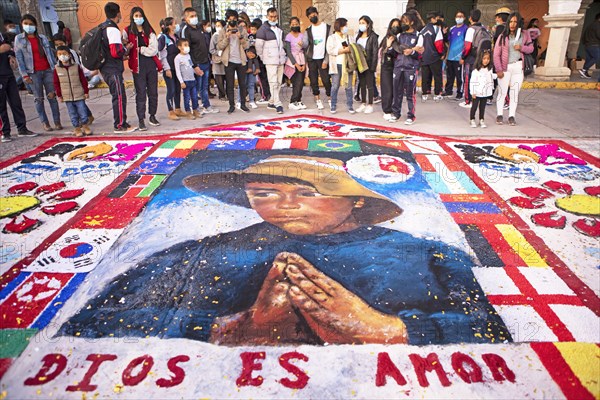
<point x="311" y="44"/>
<point x="371" y="50"/>
<point x="433" y="42"/>
<point x="198" y="46"/>
<point x="591" y="35"/>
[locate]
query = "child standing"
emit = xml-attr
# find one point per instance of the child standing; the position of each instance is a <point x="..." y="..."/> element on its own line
<point x="184" y="69"/>
<point x="71" y="88"/>
<point x="253" y="69"/>
<point x="481" y="86"/>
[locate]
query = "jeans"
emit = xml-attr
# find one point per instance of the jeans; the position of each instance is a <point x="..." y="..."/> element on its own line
<point x="173" y="91"/>
<point x="335" y="87"/>
<point x="114" y="80"/>
<point x="43" y="80"/>
<point x="314" y="71"/>
<point x="592" y="56"/>
<point x="77" y="112"/>
<point x="202" y="84"/>
<point x="146" y="85"/>
<point x="190" y="92"/>
<point x="251" y="86"/>
<point x="9" y="93"/>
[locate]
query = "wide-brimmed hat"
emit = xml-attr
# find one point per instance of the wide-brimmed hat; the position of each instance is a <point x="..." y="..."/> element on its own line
<point x="327" y="175"/>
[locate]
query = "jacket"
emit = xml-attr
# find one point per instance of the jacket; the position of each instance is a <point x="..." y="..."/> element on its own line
<point x="148" y="48"/>
<point x="482" y="82"/>
<point x="269" y="48"/>
<point x="332" y="46"/>
<point x="217" y="64"/>
<point x="403" y="41"/>
<point x="112" y="43"/>
<point x="223" y="45"/>
<point x="167" y="51"/>
<point x="501" y="51"/>
<point x="308" y="42"/>
<point x="433" y="42"/>
<point x="198" y="46"/>
<point x="371" y="50"/>
<point x="24" y="56"/>
<point x="591" y="35"/>
<point x="70" y="82"/>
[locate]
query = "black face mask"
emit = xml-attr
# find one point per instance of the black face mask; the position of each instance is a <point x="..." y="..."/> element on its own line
<point x="439" y="22"/>
<point x="396" y="30"/>
<point x="295" y="29"/>
<point x="314" y="19"/>
<point x="405" y="27"/>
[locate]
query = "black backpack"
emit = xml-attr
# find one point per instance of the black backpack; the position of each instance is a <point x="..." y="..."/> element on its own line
<point x="91" y="58"/>
<point x="482" y="39"/>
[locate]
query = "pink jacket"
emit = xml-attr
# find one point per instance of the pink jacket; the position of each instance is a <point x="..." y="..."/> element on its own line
<point x="501" y="51"/>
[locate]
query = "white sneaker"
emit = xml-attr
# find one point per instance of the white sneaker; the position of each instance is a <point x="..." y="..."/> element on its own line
<point x="253" y="105"/>
<point x="424" y="97"/>
<point x="329" y="101"/>
<point x="320" y="104"/>
<point x="294" y="106"/>
<point x="302" y="105"/>
<point x="409" y="121"/>
<point x="387" y="117"/>
<point x="352" y="111"/>
<point x="361" y="108"/>
<point x="482" y="124"/>
<point x="393" y="119"/>
<point x="238" y="105"/>
<point x="368" y="109"/>
<point x="210" y="110"/>
<point x="439" y="97"/>
<point x="464" y="105"/>
<point x="262" y="101"/>
<point x="473" y="124"/>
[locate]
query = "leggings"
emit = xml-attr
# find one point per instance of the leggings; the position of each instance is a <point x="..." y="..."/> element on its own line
<point x="478" y="102"/>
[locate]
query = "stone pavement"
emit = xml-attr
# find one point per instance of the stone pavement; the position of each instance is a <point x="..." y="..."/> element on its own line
<point x="567" y="114"/>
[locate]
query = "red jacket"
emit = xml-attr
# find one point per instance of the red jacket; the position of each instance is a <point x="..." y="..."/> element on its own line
<point x="151" y="46"/>
<point x="501" y="50"/>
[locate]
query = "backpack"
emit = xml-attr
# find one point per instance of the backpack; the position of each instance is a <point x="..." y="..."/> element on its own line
<point x="91" y="58"/>
<point x="482" y="39"/>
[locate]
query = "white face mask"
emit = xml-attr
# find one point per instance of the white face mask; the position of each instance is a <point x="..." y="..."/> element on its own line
<point x="460" y="21"/>
<point x="345" y="30"/>
<point x="218" y="29"/>
<point x="186" y="50"/>
<point x="194" y="21"/>
<point x="208" y="29"/>
<point x="64" y="58"/>
<point x="362" y="27"/>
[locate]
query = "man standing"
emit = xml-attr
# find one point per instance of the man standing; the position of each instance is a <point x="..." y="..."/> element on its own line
<point x="316" y="54"/>
<point x="433" y="42"/>
<point x="112" y="69"/>
<point x="270" y="48"/>
<point x="591" y="41"/>
<point x="193" y="31"/>
<point x="456" y="40"/>
<point x="477" y="38"/>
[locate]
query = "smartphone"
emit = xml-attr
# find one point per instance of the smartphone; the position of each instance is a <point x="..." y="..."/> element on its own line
<point x="345" y="44"/>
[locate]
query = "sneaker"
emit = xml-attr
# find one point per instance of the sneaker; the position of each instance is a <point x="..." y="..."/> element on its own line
<point x="511" y="121"/>
<point x="223" y="98"/>
<point x="446" y="94"/>
<point x="153" y="121"/>
<point x="393" y="119"/>
<point x="231" y="109"/>
<point x="458" y="97"/>
<point x="369" y="109"/>
<point x="6" y="139"/>
<point x="357" y="98"/>
<point x="320" y="104"/>
<point x="482" y="124"/>
<point x="489" y="102"/>
<point x="210" y="110"/>
<point x="424" y="97"/>
<point x="499" y="120"/>
<point x="142" y="126"/>
<point x="409" y="121"/>
<point x="47" y="127"/>
<point x="585" y="74"/>
<point x="438" y="97"/>
<point x="244" y="108"/>
<point x="295" y="106"/>
<point x="464" y="104"/>
<point x="332" y="110"/>
<point x="262" y="101"/>
<point x="352" y="111"/>
<point x="302" y="105"/>
<point x="238" y="105"/>
<point x="387" y="117"/>
<point x="361" y="108"/>
<point x="329" y="101"/>
<point x="58" y="126"/>
<point x="377" y="100"/>
<point x="253" y="105"/>
<point x="473" y="124"/>
<point x="125" y="129"/>
<point x="271" y="106"/>
<point x="279" y="109"/>
<point x="26" y="132"/>
<point x="506" y="106"/>
<point x="211" y="95"/>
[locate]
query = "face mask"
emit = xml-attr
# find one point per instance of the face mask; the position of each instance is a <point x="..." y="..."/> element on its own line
<point x="345" y="30"/>
<point x="396" y="30"/>
<point x="218" y="29"/>
<point x="177" y="29"/>
<point x="139" y="21"/>
<point x="64" y="58"/>
<point x="12" y="30"/>
<point x="194" y="21"/>
<point x="439" y="22"/>
<point x="29" y="29"/>
<point x="362" y="27"/>
<point x="208" y="29"/>
<point x="186" y="50"/>
<point x="404" y="27"/>
<point x="314" y="19"/>
<point x="295" y="29"/>
<point x="459" y="21"/>
<point x="272" y="23"/>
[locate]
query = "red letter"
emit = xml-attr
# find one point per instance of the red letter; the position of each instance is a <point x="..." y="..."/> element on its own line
<point x="146" y="361"/>
<point x="498" y="366"/>
<point x="49" y="360"/>
<point x="431" y="363"/>
<point x="85" y="384"/>
<point x="386" y="367"/>
<point x="458" y="361"/>
<point x="303" y="378"/>
<point x="249" y="365"/>
<point x="178" y="371"/>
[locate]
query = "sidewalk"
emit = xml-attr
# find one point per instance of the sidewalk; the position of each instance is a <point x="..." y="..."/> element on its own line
<point x="567" y="114"/>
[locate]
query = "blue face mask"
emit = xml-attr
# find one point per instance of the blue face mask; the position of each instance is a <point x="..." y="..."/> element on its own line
<point x="29" y="29"/>
<point x="194" y="21"/>
<point x="139" y="21"/>
<point x="177" y="29"/>
<point x="272" y="23"/>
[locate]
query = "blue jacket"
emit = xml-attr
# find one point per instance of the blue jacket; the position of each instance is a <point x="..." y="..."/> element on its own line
<point x="406" y="40"/>
<point x="179" y="291"/>
<point x="25" y="57"/>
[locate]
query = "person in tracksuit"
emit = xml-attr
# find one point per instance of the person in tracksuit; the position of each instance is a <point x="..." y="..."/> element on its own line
<point x="431" y="62"/>
<point x="470" y="53"/>
<point x="387" y="69"/>
<point x="456" y="41"/>
<point x="405" y="48"/>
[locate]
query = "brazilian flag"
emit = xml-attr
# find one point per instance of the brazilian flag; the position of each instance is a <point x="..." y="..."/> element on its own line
<point x="334" y="145"/>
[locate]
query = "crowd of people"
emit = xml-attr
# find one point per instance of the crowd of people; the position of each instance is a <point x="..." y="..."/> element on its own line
<point x="477" y="61"/>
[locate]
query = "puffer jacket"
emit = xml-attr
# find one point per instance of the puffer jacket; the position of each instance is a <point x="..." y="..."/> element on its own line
<point x="270" y="50"/>
<point x="24" y="56"/>
<point x="501" y="50"/>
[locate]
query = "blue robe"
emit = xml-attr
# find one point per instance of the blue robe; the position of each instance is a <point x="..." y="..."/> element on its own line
<point x="178" y="292"/>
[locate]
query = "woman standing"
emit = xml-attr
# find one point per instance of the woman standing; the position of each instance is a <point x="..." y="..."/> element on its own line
<point x="508" y="60"/>
<point x="167" y="51"/>
<point x="338" y="48"/>
<point x="387" y="69"/>
<point x="66" y="32"/>
<point x="36" y="63"/>
<point x="144" y="64"/>
<point x="369" y="41"/>
<point x="218" y="69"/>
<point x="295" y="66"/>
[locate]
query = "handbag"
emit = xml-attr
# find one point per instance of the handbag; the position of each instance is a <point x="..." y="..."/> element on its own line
<point x="528" y="64"/>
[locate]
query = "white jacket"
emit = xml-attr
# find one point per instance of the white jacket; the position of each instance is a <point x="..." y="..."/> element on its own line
<point x="482" y="82"/>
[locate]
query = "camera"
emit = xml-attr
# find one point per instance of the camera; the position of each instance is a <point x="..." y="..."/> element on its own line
<point x="345" y="44"/>
<point x="232" y="23"/>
